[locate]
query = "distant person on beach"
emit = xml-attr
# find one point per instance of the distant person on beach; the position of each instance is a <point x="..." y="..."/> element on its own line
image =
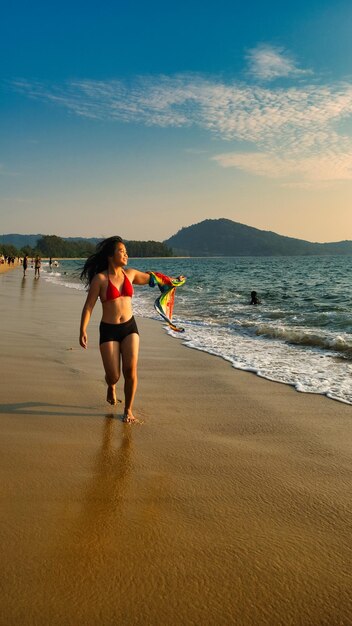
<point x="25" y="264"/>
<point x="37" y="266"/>
<point x="107" y="277"/>
<point x="50" y="262"/>
<point x="254" y="298"/>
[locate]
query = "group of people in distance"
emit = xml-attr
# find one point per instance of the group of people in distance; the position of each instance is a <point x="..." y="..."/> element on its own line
<point x="7" y="259"/>
<point x="37" y="262"/>
<point x="37" y="265"/>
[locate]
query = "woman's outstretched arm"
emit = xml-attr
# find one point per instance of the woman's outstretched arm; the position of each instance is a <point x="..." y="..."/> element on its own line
<point x="92" y="297"/>
<point x="139" y="278"/>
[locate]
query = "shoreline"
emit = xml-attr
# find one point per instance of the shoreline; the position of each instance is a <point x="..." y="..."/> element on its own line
<point x="254" y="368"/>
<point x="229" y="504"/>
<point x="269" y="380"/>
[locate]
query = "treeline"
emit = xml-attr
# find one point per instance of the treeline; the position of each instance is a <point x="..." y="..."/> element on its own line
<point x="57" y="247"/>
<point x="147" y="248"/>
<point x="51" y="246"/>
<point x="7" y="249"/>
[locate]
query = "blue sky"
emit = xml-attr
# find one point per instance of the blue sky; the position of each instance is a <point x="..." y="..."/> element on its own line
<point x="140" y="119"/>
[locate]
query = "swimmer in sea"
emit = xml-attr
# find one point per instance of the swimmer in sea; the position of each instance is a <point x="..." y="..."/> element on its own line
<point x="254" y="298"/>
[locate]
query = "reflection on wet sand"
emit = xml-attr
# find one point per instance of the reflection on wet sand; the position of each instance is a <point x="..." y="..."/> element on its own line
<point x="23" y="286"/>
<point x="111" y="470"/>
<point x="86" y="545"/>
<point x="103" y="502"/>
<point x="34" y="285"/>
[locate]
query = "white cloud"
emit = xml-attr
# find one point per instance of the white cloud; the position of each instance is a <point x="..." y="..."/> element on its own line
<point x="289" y="132"/>
<point x="313" y="168"/>
<point x="269" y="62"/>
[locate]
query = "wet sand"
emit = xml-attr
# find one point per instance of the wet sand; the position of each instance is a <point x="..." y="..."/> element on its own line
<point x="229" y="505"/>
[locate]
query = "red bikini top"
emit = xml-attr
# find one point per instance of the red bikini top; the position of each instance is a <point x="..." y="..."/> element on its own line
<point x="112" y="292"/>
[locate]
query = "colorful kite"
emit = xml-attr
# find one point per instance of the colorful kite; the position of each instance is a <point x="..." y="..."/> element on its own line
<point x="165" y="303"/>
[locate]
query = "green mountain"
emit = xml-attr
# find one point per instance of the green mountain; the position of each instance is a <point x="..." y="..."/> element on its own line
<point x="223" y="237"/>
<point x="220" y="237"/>
<point x="19" y="240"/>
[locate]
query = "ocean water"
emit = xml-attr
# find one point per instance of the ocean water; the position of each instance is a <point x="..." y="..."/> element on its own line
<point x="300" y="334"/>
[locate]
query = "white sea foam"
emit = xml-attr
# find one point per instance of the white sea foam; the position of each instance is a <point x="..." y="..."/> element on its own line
<point x="308" y="370"/>
<point x="58" y="279"/>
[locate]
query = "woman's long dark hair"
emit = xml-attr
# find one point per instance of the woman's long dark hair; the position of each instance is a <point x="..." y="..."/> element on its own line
<point x="99" y="260"/>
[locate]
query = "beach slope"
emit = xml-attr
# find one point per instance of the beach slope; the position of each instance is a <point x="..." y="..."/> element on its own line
<point x="230" y="504"/>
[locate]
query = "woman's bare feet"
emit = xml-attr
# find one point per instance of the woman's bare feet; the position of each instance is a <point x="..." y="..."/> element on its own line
<point x="111" y="395"/>
<point x="129" y="418"/>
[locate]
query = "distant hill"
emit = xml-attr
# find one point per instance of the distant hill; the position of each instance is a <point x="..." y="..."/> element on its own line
<point x="220" y="237"/>
<point x="31" y="240"/>
<point x="19" y="240"/>
<point x="92" y="240"/>
<point x="223" y="237"/>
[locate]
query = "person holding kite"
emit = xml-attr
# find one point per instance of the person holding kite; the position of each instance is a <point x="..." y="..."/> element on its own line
<point x="107" y="277"/>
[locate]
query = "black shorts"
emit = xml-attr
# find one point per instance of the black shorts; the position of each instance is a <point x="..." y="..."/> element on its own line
<point x="117" y="332"/>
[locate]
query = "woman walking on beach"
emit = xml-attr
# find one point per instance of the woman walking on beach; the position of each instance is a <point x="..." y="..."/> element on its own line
<point x="105" y="274"/>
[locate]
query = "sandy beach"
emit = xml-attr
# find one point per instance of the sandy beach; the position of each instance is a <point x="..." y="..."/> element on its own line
<point x="5" y="267"/>
<point x="230" y="504"/>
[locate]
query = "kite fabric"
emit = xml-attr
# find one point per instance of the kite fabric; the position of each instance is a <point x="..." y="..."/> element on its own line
<point x="164" y="304"/>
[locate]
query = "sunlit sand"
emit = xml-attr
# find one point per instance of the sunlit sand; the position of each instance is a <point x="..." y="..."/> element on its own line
<point x="231" y="505"/>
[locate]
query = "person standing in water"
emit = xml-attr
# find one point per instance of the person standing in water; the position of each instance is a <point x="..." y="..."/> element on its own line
<point x="105" y="274"/>
<point x="37" y="266"/>
<point x="25" y="264"/>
